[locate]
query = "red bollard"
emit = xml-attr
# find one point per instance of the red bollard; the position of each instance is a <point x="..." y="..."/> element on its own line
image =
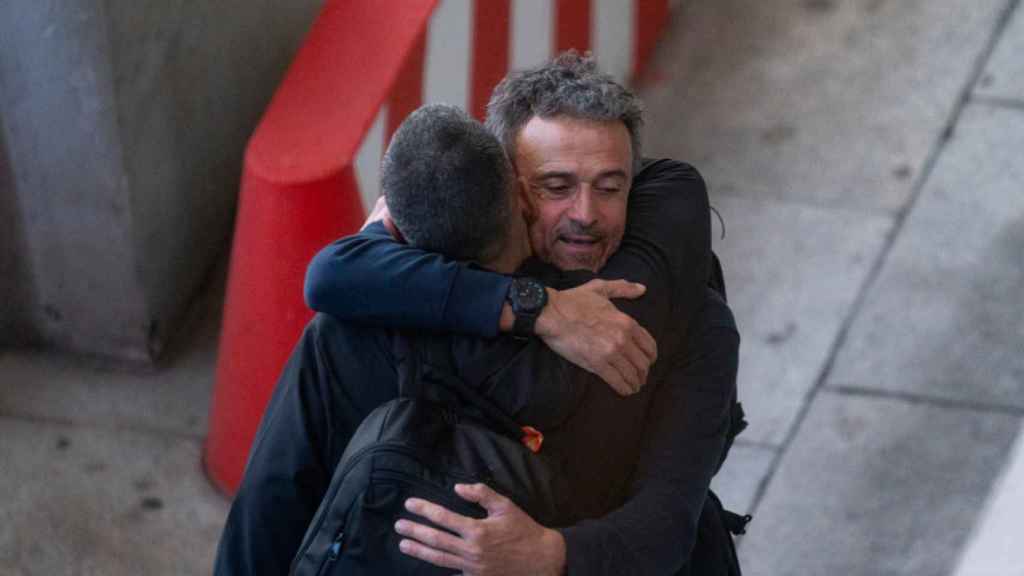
<point x="298" y="193"/>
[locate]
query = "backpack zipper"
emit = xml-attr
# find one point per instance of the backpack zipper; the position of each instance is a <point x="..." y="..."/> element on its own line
<point x="444" y="497"/>
<point x="332" y="554"/>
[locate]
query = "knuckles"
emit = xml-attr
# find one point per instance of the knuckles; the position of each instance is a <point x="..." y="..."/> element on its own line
<point x="474" y="534"/>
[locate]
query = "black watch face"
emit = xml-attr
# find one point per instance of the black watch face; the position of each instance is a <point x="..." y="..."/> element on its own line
<point x="528" y="295"/>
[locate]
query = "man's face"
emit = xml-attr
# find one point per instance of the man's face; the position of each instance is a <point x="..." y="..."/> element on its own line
<point x="576" y="174"/>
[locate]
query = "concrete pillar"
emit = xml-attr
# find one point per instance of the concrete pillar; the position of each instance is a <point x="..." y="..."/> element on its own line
<point x="15" y="292"/>
<point x="125" y="124"/>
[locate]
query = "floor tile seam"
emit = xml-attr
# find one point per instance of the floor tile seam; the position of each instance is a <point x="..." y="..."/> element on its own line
<point x="69" y="423"/>
<point x="1006" y="102"/>
<point x="883" y="254"/>
<point x="923" y="399"/>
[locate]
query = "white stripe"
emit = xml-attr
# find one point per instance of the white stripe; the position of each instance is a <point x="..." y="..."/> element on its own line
<point x="533" y="33"/>
<point x="446" y="74"/>
<point x="368" y="160"/>
<point x="996" y="547"/>
<point x="613" y="29"/>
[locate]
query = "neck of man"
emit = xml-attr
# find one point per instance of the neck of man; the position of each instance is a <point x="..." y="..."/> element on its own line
<point x="507" y="262"/>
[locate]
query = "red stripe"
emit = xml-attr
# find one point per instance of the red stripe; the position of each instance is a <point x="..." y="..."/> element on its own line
<point x="305" y="134"/>
<point x="651" y="16"/>
<point x="407" y="92"/>
<point x="572" y="25"/>
<point x="491" y="41"/>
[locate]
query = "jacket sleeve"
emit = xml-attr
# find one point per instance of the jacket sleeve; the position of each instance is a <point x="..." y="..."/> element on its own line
<point x="285" y="476"/>
<point x="655" y="529"/>
<point x="370" y="278"/>
<point x="666" y="247"/>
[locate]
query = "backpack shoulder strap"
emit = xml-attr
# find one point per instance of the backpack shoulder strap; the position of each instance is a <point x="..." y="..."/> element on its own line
<point x="431" y="375"/>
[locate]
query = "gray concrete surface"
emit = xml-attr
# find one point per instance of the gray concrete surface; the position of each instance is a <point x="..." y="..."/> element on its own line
<point x="868" y="488"/>
<point x="125" y="124"/>
<point x="952" y="325"/>
<point x="1004" y="73"/>
<point x="793" y="272"/>
<point x="66" y="164"/>
<point x="738" y="483"/>
<point x="170" y="397"/>
<point x="873" y="264"/>
<point x="101" y="468"/>
<point x="832" y="102"/>
<point x="93" y="501"/>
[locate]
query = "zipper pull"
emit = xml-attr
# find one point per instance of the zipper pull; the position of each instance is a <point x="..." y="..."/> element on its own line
<point x="335" y="550"/>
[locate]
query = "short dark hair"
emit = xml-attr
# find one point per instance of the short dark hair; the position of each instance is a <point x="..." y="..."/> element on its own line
<point x="448" y="182"/>
<point x="570" y="85"/>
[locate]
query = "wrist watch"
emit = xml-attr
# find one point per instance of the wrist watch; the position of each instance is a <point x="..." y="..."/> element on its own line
<point x="527" y="298"/>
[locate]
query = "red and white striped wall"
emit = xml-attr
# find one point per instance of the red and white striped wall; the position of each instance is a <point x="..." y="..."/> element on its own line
<point x="469" y="46"/>
<point x="312" y="166"/>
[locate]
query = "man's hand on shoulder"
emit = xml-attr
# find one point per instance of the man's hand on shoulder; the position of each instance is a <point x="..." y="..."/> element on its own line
<point x="584" y="327"/>
<point x="380" y="213"/>
<point x="505" y="543"/>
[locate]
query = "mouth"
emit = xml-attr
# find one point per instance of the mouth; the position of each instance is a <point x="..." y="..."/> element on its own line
<point x="581" y="242"/>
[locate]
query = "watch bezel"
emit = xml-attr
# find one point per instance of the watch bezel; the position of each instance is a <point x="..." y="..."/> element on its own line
<point x="527" y="296"/>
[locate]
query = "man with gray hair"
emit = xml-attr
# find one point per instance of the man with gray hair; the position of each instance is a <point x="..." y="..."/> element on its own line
<point x="640" y="465"/>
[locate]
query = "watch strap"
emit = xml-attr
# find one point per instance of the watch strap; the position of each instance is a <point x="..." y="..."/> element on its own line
<point x="524" y="325"/>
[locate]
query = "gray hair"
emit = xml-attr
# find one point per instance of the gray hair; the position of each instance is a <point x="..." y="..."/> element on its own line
<point x="570" y="85"/>
<point x="448" y="184"/>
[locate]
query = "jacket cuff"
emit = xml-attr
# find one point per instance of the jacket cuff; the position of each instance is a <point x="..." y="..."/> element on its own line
<point x="475" y="301"/>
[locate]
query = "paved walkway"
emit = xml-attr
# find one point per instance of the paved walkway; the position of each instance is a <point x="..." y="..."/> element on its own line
<point x="868" y="160"/>
<point x="867" y="157"/>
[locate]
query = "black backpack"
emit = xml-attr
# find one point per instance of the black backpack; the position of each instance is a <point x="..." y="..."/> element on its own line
<point x="439" y="432"/>
<point x="714" y="552"/>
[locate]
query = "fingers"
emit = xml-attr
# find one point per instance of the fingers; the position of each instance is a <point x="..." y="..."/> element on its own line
<point x="432" y="537"/>
<point x="630" y="373"/>
<point x="617" y="288"/>
<point x="631" y="333"/>
<point x="638" y="359"/>
<point x="613" y="377"/>
<point x="427" y="554"/>
<point x="380" y="210"/>
<point x="483" y="495"/>
<point x="440" y="515"/>
<point x="643" y="339"/>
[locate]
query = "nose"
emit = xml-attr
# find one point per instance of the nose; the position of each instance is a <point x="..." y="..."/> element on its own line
<point x="583" y="211"/>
